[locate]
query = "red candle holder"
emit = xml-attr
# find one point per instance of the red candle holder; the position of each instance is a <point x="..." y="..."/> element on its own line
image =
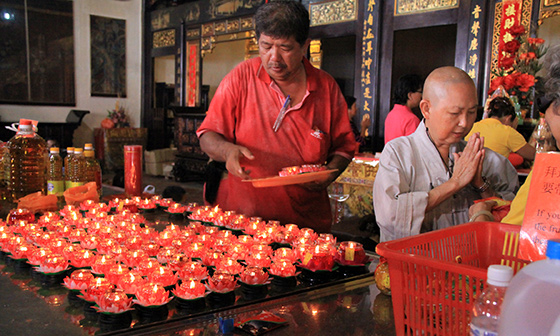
<point x="196" y="250"/>
<point x="82" y="258"/>
<point x="308" y="233"/>
<point x="133" y="243"/>
<point x="212" y="258"/>
<point x="78" y="280"/>
<point x="147" y="267"/>
<point x="351" y="253"/>
<point x="152" y="294"/>
<point x="54" y="263"/>
<point x="177" y="261"/>
<point x="38" y="256"/>
<point x="165" y="254"/>
<point x="151" y="249"/>
<point x="319" y="259"/>
<point x="229" y="265"/>
<point x="115" y="272"/>
<point x="96" y="288"/>
<point x="87" y="205"/>
<point x="284" y="253"/>
<point x="131" y="282"/>
<point x="193" y="270"/>
<point x="20" y="214"/>
<point x="256" y="248"/>
<point x="164" y="276"/>
<point x="104" y="246"/>
<point x="222" y="282"/>
<point x="89" y="242"/>
<point x="135" y="258"/>
<point x="253" y="276"/>
<point x="283" y="268"/>
<point x="102" y="264"/>
<point x="259" y="259"/>
<point x="22" y="251"/>
<point x="190" y="290"/>
<point x="237" y="252"/>
<point x="114" y="301"/>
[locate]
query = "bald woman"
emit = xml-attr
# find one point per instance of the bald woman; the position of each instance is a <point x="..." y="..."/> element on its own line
<point x="427" y="180"/>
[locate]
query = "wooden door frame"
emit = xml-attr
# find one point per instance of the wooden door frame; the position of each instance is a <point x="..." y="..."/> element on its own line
<point x="390" y="24"/>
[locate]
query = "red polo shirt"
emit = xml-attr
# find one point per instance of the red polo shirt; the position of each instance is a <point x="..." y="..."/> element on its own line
<point x="401" y="121"/>
<point x="244" y="110"/>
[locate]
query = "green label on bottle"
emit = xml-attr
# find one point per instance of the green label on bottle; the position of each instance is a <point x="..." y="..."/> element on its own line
<point x="70" y="184"/>
<point x="55" y="188"/>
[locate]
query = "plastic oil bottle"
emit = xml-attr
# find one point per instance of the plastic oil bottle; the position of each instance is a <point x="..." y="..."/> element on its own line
<point x="4" y="170"/>
<point x="93" y="169"/>
<point x="77" y="168"/>
<point x="55" y="179"/>
<point x="28" y="152"/>
<point x="532" y="302"/>
<point x="67" y="166"/>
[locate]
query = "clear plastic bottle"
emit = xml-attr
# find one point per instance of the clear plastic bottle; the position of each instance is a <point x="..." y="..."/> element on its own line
<point x="55" y="179"/>
<point x="28" y="152"/>
<point x="77" y="168"/>
<point x="93" y="169"/>
<point x="67" y="166"/>
<point x="4" y="170"/>
<point x="485" y="315"/>
<point x="541" y="134"/>
<point x="532" y="302"/>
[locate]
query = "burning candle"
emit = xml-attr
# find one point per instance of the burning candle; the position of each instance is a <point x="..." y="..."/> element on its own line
<point x="253" y="276"/>
<point x="114" y="272"/>
<point x="164" y="276"/>
<point x="212" y="258"/>
<point x="96" y="288"/>
<point x="193" y="270"/>
<point x="152" y="294"/>
<point x="196" y="250"/>
<point x="190" y="290"/>
<point x="147" y="267"/>
<point x="82" y="258"/>
<point x="135" y="258"/>
<point x="319" y="258"/>
<point x="39" y="255"/>
<point x="283" y="268"/>
<point x="284" y="253"/>
<point x="78" y="280"/>
<point x="131" y="282"/>
<point x="222" y="282"/>
<point x="259" y="259"/>
<point x="229" y="265"/>
<point x="177" y="261"/>
<point x="151" y="249"/>
<point x="114" y="301"/>
<point x="165" y="253"/>
<point x="351" y="253"/>
<point x="102" y="263"/>
<point x="53" y="263"/>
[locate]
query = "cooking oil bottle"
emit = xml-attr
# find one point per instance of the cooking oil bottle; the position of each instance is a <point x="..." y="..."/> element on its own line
<point x="77" y="168"/>
<point x="4" y="170"/>
<point x="55" y="179"/>
<point x="93" y="169"/>
<point x="28" y="152"/>
<point x="67" y="166"/>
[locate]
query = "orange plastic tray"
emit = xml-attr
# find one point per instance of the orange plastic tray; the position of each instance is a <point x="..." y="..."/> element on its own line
<point x="432" y="292"/>
<point x="276" y="181"/>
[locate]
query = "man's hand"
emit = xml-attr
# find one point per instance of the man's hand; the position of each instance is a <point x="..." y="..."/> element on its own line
<point x="233" y="156"/>
<point x="219" y="149"/>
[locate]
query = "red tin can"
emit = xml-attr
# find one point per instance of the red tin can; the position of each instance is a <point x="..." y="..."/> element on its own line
<point x="133" y="170"/>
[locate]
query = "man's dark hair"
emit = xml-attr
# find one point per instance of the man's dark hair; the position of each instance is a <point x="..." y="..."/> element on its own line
<point x="176" y="193"/>
<point x="283" y="19"/>
<point x="406" y="84"/>
<point x="350" y="100"/>
<point x="501" y="107"/>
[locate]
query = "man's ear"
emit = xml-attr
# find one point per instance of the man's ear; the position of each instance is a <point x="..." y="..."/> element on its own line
<point x="425" y="108"/>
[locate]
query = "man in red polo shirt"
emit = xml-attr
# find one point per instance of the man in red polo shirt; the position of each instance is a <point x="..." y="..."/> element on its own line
<point x="243" y="130"/>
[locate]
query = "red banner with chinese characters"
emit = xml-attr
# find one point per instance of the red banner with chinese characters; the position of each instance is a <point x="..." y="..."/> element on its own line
<point x="542" y="216"/>
<point x="192" y="77"/>
<point x="511" y="15"/>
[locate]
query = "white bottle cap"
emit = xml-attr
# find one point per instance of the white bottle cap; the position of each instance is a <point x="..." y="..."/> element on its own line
<point x="499" y="275"/>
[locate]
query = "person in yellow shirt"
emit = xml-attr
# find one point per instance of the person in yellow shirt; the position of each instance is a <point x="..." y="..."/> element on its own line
<point x="498" y="130"/>
<point x="550" y="106"/>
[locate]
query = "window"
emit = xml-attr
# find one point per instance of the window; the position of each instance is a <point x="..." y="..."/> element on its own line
<point x="37" y="52"/>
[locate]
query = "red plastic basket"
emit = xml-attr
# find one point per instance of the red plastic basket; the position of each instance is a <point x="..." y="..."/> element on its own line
<point x="436" y="276"/>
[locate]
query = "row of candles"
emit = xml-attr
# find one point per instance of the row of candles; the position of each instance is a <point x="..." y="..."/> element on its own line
<point x="140" y="261"/>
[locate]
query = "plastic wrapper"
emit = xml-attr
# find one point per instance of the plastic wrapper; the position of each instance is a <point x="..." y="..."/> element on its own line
<point x="261" y="323"/>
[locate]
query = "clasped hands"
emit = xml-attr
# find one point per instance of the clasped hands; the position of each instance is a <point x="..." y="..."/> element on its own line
<point x="468" y="163"/>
